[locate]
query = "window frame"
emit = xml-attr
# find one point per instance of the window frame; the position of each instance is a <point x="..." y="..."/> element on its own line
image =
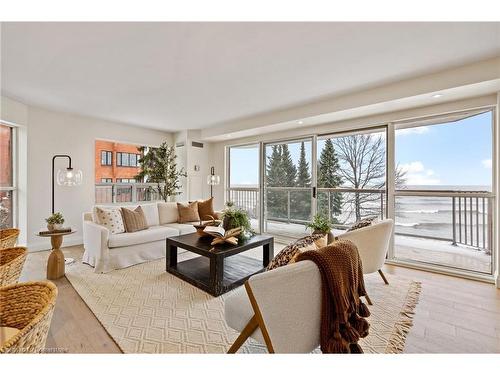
<point x="108" y="162"/>
<point x="14" y="171"/>
<point x="128" y="156"/>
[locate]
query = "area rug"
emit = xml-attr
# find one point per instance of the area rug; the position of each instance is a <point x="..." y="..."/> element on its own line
<point x="147" y="310"/>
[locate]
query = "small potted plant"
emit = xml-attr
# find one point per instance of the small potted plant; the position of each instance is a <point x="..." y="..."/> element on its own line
<point x="55" y="221"/>
<point x="321" y="224"/>
<point x="233" y="217"/>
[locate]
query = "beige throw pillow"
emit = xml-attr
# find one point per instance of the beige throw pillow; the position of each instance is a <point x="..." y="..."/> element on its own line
<point x="111" y="218"/>
<point x="134" y="220"/>
<point x="188" y="212"/>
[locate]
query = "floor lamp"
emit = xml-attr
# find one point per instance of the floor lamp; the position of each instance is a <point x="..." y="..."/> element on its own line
<point x="68" y="177"/>
<point x="212" y="179"/>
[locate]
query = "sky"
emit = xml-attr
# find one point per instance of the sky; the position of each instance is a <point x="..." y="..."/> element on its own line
<point x="456" y="153"/>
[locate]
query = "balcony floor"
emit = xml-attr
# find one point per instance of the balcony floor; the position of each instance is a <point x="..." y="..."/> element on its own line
<point x="428" y="251"/>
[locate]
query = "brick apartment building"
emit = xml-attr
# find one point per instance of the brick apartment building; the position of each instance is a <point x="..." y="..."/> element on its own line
<point x="116" y="162"/>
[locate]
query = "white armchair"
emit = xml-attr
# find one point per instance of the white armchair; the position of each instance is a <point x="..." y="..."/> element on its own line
<point x="372" y="243"/>
<point x="258" y="309"/>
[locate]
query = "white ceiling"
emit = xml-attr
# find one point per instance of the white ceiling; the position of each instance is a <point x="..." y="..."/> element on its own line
<point x="175" y="76"/>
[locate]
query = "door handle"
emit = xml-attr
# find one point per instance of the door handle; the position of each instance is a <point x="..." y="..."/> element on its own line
<point x="314" y="191"/>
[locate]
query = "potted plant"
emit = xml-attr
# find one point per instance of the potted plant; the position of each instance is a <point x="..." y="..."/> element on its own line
<point x="233" y="217"/>
<point x="55" y="221"/>
<point x="321" y="224"/>
<point x="159" y="165"/>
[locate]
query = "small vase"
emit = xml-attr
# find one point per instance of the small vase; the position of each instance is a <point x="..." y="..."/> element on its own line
<point x="330" y="236"/>
<point x="53" y="227"/>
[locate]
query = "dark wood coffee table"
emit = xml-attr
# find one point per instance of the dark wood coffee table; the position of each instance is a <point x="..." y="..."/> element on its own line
<point x="220" y="268"/>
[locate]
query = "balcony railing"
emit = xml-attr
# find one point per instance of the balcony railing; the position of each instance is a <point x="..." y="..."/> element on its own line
<point x="125" y="192"/>
<point x="460" y="217"/>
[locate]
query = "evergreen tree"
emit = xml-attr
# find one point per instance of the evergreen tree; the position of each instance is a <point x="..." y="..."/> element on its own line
<point x="289" y="169"/>
<point x="301" y="199"/>
<point x="329" y="177"/>
<point x="275" y="200"/>
<point x="303" y="176"/>
<point x="274" y="173"/>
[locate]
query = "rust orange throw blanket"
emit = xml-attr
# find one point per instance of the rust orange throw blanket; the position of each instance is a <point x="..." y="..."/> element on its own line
<point x="343" y="314"/>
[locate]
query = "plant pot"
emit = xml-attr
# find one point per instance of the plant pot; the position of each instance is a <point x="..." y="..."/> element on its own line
<point x="52" y="227"/>
<point x="330" y="236"/>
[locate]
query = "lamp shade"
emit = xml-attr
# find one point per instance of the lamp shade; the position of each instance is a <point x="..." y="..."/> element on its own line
<point x="213" y="179"/>
<point x="69" y="177"/>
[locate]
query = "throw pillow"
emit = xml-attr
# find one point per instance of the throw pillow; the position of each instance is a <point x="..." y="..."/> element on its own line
<point x="134" y="220"/>
<point x="111" y="218"/>
<point x="206" y="209"/>
<point x="188" y="212"/>
<point x="285" y="256"/>
<point x="366" y="222"/>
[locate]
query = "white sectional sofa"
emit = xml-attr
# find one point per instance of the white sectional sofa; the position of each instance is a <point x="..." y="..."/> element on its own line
<point x="106" y="252"/>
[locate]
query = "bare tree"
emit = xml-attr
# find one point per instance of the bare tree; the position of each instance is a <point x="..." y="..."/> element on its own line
<point x="363" y="166"/>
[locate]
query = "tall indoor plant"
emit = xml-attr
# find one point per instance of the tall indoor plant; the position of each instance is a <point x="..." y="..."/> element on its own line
<point x="159" y="166"/>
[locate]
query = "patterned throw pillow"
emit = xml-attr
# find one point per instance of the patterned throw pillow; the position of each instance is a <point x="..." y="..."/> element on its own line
<point x="134" y="220"/>
<point x="111" y="218"/>
<point x="286" y="255"/>
<point x="366" y="222"/>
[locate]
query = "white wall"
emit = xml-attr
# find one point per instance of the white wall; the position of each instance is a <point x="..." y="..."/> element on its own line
<point x="194" y="186"/>
<point x="51" y="133"/>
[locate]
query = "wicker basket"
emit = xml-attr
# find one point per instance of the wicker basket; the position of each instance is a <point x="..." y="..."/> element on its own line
<point x="27" y="307"/>
<point x="8" y="237"/>
<point x="11" y="264"/>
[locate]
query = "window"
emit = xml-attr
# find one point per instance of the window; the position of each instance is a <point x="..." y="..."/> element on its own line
<point x="7" y="181"/>
<point x="243" y="182"/>
<point x="125" y="159"/>
<point x="106" y="158"/>
<point x="126" y="180"/>
<point x="106" y="180"/>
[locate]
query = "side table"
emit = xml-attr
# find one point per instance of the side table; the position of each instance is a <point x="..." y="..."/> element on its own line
<point x="56" y="262"/>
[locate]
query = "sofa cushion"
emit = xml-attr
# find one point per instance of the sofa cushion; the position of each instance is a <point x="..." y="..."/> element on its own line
<point x="182" y="228"/>
<point x="158" y="233"/>
<point x="111" y="219"/>
<point x="168" y="212"/>
<point x="134" y="220"/>
<point x="188" y="212"/>
<point x="151" y="213"/>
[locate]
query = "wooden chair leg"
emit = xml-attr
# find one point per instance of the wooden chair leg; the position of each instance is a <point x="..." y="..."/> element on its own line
<point x="368" y="299"/>
<point x="383" y="277"/>
<point x="244" y="335"/>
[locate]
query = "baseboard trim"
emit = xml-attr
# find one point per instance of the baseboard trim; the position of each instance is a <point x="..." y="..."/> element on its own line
<point x="44" y="244"/>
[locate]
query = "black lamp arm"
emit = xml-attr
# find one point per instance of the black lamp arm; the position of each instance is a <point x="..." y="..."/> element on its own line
<point x="69" y="167"/>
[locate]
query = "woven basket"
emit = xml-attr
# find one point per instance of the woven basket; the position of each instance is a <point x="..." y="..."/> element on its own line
<point x="8" y="237"/>
<point x="27" y="307"/>
<point x="11" y="264"/>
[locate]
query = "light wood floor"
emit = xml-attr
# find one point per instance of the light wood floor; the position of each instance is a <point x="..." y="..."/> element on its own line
<point x="453" y="316"/>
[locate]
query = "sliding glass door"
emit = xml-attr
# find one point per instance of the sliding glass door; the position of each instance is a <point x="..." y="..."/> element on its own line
<point x="288" y="187"/>
<point x="444" y="200"/>
<point x="243" y="187"/>
<point x="352" y="176"/>
<point x="432" y="176"/>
